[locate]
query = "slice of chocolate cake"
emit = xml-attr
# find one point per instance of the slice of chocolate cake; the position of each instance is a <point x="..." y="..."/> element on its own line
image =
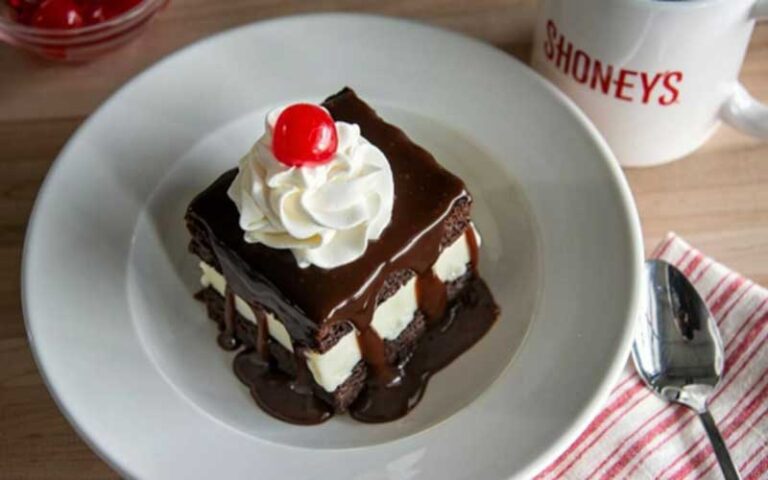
<point x="328" y="254"/>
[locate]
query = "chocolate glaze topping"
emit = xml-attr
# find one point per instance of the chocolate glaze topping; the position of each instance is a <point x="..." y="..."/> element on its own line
<point x="304" y="299"/>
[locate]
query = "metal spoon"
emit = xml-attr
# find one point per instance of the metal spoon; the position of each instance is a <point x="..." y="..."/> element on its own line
<point x="678" y="350"/>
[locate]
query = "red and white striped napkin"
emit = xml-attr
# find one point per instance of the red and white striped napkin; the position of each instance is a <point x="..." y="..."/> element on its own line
<point x="637" y="435"/>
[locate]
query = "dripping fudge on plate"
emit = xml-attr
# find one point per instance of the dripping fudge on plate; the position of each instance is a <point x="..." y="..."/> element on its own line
<point x="335" y="252"/>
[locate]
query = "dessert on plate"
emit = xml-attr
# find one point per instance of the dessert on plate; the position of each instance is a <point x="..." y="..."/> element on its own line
<point x="341" y="260"/>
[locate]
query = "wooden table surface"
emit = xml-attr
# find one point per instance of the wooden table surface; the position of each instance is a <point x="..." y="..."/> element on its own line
<point x="716" y="198"/>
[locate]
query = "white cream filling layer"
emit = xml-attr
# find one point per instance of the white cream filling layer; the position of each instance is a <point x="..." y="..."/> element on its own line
<point x="395" y="313"/>
<point x="452" y="262"/>
<point x="331" y="368"/>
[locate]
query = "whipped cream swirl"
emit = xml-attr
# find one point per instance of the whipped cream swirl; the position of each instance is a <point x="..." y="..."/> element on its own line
<point x="325" y="214"/>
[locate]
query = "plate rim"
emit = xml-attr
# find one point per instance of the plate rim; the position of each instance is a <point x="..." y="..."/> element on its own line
<point x="636" y="247"/>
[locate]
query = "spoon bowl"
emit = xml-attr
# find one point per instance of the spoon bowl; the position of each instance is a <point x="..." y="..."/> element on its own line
<point x="677" y="349"/>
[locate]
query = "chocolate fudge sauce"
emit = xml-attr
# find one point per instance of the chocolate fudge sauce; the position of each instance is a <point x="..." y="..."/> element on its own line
<point x="227" y="339"/>
<point x="474" y="251"/>
<point x="279" y="394"/>
<point x="291" y="399"/>
<point x="431" y="295"/>
<point x="306" y="298"/>
<point x="262" y="342"/>
<point x="465" y="322"/>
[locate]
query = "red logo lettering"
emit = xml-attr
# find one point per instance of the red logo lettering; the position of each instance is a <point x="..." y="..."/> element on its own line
<point x="662" y="88"/>
<point x="604" y="77"/>
<point x="549" y="43"/>
<point x="622" y="83"/>
<point x="564" y="51"/>
<point x="672" y="82"/>
<point x="581" y="63"/>
<point x="648" y="85"/>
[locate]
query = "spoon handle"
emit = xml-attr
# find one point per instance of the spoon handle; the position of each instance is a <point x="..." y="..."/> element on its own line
<point x="718" y="445"/>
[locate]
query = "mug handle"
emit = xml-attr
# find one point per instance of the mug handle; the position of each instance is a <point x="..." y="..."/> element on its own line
<point x="742" y="110"/>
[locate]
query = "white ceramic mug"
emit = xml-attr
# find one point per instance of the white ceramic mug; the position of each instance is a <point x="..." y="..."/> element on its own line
<point x="656" y="77"/>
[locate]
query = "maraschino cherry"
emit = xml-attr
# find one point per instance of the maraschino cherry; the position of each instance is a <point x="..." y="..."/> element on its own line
<point x="57" y="14"/>
<point x="95" y="11"/>
<point x="304" y="134"/>
<point x="67" y="14"/>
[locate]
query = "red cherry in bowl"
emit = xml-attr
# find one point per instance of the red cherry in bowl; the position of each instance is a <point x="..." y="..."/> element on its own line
<point x="96" y="11"/>
<point x="57" y="14"/>
<point x="22" y="10"/>
<point x="67" y="14"/>
<point x="304" y="134"/>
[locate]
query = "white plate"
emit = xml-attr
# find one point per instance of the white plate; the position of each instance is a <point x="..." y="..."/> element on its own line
<point x="131" y="358"/>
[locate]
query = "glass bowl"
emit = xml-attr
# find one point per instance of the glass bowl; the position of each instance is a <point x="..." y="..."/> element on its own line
<point x="78" y="44"/>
